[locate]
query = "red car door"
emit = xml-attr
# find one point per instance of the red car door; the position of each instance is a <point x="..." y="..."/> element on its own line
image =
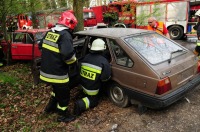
<point x="22" y="47"/>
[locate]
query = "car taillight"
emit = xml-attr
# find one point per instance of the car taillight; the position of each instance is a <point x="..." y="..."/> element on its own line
<point x="163" y="86"/>
<point x="198" y="66"/>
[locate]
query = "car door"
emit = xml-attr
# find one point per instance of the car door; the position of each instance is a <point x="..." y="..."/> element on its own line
<point x="121" y="63"/>
<point x="22" y="46"/>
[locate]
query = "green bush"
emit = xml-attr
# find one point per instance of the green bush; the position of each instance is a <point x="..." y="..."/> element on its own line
<point x="110" y="17"/>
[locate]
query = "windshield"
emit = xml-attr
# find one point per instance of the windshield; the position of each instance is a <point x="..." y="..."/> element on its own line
<point x="154" y="47"/>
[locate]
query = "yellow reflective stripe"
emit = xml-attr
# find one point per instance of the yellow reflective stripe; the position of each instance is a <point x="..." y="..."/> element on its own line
<point x="91" y="69"/>
<point x="50" y="43"/>
<point x="50" y="48"/>
<point x="87" y="102"/>
<point x="59" y="77"/>
<point x="71" y="61"/>
<point x="90" y="92"/>
<point x="52" y="36"/>
<point x="88" y="74"/>
<point x="61" y="108"/>
<point x="1" y="64"/>
<point x="198" y="44"/>
<point x="53" y="94"/>
<point x="54" y="80"/>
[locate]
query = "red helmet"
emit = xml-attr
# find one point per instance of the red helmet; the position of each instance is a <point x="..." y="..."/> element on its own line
<point x="68" y="19"/>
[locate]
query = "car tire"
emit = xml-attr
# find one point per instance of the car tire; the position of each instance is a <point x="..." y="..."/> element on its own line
<point x="118" y="96"/>
<point x="176" y="32"/>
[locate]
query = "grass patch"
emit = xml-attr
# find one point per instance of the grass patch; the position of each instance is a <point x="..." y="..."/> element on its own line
<point x="7" y="78"/>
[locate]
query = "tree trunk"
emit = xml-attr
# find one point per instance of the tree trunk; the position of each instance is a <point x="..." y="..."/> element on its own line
<point x="5" y="34"/>
<point x="78" y="11"/>
<point x="33" y="14"/>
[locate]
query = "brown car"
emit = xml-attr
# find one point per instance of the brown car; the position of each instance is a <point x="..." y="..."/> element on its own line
<point x="147" y="68"/>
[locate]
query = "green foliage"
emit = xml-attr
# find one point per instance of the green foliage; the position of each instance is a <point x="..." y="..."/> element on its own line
<point x="110" y="17"/>
<point x="144" y="13"/>
<point x="7" y="78"/>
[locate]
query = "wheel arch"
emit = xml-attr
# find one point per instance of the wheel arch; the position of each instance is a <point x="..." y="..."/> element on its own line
<point x="176" y="25"/>
<point x="117" y="94"/>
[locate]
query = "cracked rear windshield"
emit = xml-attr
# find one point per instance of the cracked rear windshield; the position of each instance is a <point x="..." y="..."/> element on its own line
<point x="154" y="47"/>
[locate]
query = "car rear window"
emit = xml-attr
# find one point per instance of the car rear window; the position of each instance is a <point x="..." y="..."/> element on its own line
<point x="154" y="47"/>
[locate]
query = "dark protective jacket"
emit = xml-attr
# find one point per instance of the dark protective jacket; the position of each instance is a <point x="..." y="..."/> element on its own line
<point x="57" y="53"/>
<point x="197" y="27"/>
<point x="94" y="69"/>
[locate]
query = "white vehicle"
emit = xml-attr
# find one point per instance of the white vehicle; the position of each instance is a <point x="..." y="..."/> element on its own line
<point x="176" y="14"/>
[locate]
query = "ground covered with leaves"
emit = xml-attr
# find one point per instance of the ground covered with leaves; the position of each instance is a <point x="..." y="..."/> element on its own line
<point x="22" y="104"/>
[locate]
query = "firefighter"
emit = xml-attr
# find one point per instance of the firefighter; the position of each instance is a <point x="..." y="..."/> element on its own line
<point x="94" y="70"/>
<point x="197" y="48"/>
<point x="159" y="27"/>
<point x="197" y="27"/>
<point x="57" y="55"/>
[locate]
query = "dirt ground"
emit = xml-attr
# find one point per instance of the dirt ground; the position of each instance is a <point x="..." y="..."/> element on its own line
<point x="182" y="116"/>
<point x="26" y="115"/>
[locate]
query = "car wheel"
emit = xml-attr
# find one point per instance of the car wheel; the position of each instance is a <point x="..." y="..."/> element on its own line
<point x="117" y="96"/>
<point x="176" y="32"/>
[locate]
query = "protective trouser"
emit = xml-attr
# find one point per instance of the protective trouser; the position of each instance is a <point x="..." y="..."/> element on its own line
<point x="51" y="106"/>
<point x="89" y="101"/>
<point x="62" y="95"/>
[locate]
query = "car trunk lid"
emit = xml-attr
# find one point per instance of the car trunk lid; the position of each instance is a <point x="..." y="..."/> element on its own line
<point x="179" y="70"/>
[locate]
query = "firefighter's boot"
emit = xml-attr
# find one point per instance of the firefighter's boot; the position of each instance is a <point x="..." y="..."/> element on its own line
<point x="79" y="107"/>
<point x="51" y="106"/>
<point x="65" y="116"/>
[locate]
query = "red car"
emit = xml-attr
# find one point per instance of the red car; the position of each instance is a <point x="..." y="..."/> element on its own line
<point x="24" y="44"/>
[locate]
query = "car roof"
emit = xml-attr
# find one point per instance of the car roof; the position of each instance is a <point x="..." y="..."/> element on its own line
<point x="113" y="32"/>
<point x="32" y="30"/>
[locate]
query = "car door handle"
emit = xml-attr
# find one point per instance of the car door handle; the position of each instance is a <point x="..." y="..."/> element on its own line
<point x="14" y="47"/>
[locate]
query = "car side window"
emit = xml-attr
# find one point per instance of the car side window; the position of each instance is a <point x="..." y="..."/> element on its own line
<point x="18" y="37"/>
<point x="29" y="38"/>
<point x="22" y="38"/>
<point x="120" y="55"/>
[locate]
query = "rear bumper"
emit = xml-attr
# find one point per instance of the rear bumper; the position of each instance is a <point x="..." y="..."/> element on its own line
<point x="157" y="102"/>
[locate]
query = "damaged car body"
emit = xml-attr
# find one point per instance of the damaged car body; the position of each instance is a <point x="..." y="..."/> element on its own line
<point x="147" y="68"/>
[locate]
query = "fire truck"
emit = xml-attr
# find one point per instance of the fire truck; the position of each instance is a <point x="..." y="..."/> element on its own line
<point x="90" y="19"/>
<point x="176" y="14"/>
<point x="20" y="21"/>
